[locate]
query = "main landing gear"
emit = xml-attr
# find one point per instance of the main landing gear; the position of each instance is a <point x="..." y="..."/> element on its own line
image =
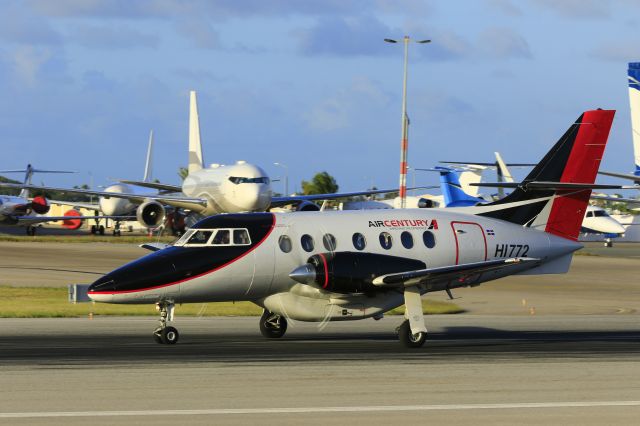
<point x="97" y="229"/>
<point x="31" y="230"/>
<point x="272" y="326"/>
<point x="412" y="333"/>
<point x="166" y="334"/>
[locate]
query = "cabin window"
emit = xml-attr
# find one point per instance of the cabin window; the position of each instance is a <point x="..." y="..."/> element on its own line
<point x="429" y="239"/>
<point x="307" y="242"/>
<point x="329" y="242"/>
<point x="222" y="238"/>
<point x="385" y="240"/>
<point x="200" y="237"/>
<point x="241" y="237"/>
<point x="285" y="243"/>
<point x="358" y="241"/>
<point x="407" y="239"/>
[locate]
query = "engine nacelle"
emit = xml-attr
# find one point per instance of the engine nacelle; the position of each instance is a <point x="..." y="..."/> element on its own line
<point x="351" y="272"/>
<point x="40" y="205"/>
<point x="72" y="223"/>
<point x="425" y="203"/>
<point x="150" y="214"/>
<point x="307" y="206"/>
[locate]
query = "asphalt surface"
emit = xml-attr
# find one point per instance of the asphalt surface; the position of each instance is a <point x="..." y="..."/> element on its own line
<point x="477" y="369"/>
<point x="559" y="349"/>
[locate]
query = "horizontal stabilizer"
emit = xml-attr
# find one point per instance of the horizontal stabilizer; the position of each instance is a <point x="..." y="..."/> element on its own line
<point x="543" y="186"/>
<point x="458" y="273"/>
<point x="615" y="199"/>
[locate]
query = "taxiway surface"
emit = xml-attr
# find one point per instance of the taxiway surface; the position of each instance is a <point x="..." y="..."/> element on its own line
<point x="478" y="369"/>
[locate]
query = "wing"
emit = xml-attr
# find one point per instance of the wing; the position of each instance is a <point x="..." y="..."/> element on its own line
<point x="283" y="201"/>
<point x="620" y="175"/>
<point x="88" y="206"/>
<point x="542" y="185"/>
<point x="615" y="199"/>
<point x="154" y="185"/>
<point x="194" y="204"/>
<point x="462" y="274"/>
<point x="32" y="220"/>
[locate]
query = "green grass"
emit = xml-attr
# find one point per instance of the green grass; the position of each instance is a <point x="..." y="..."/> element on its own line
<point x="48" y="302"/>
<point x="139" y="239"/>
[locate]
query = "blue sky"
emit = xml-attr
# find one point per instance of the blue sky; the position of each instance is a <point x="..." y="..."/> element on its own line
<point x="309" y="84"/>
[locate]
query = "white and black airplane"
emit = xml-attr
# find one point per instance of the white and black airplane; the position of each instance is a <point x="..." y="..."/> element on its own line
<point x="349" y="265"/>
<point x="240" y="187"/>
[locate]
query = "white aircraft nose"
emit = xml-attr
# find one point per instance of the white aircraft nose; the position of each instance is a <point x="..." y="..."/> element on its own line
<point x="612" y="226"/>
<point x="249" y="196"/>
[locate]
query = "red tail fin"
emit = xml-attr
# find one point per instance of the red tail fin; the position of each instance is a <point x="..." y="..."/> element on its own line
<point x="567" y="210"/>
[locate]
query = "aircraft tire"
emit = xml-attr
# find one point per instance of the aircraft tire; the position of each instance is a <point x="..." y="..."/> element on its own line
<point x="272" y="326"/>
<point x="101" y="230"/>
<point x="169" y="335"/>
<point x="408" y="339"/>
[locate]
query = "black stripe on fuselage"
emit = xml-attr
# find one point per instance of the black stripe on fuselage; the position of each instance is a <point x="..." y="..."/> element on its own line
<point x="177" y="264"/>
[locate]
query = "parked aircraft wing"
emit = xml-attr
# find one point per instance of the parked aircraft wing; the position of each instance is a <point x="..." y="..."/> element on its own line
<point x="153" y="185"/>
<point x="194" y="204"/>
<point x="80" y="205"/>
<point x="629" y="176"/>
<point x="283" y="201"/>
<point x="460" y="274"/>
<point x="615" y="199"/>
<point x="32" y="220"/>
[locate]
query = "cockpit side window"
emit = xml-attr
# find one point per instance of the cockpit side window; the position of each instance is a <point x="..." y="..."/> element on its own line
<point x="589" y="214"/>
<point x="185" y="237"/>
<point x="600" y="213"/>
<point x="221" y="238"/>
<point x="241" y="237"/>
<point x="200" y="237"/>
<point x="238" y="180"/>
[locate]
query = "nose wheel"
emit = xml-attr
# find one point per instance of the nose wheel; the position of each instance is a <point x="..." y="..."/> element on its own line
<point x="166" y="334"/>
<point x="272" y="326"/>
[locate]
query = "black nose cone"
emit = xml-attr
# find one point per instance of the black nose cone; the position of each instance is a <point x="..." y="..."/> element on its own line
<point x="152" y="271"/>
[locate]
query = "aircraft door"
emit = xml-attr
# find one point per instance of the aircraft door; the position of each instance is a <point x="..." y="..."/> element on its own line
<point x="471" y="244"/>
<point x="262" y="275"/>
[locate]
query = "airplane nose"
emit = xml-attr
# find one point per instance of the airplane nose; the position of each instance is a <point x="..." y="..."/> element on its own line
<point x="151" y="271"/>
<point x="251" y="198"/>
<point x="614" y="227"/>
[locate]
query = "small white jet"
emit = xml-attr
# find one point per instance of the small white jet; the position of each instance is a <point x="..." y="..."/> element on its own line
<point x="349" y="265"/>
<point x="241" y="187"/>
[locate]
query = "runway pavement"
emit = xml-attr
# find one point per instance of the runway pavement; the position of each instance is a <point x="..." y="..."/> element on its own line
<point x="559" y="349"/>
<point x="476" y="369"/>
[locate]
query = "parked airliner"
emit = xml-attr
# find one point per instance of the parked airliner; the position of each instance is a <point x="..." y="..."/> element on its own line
<point x="240" y="187"/>
<point x="348" y="265"/>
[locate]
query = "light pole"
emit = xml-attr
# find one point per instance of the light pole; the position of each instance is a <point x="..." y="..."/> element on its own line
<point x="286" y="177"/>
<point x="404" y="143"/>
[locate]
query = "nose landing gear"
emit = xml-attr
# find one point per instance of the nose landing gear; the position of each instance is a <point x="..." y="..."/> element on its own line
<point x="166" y="334"/>
<point x="272" y="326"/>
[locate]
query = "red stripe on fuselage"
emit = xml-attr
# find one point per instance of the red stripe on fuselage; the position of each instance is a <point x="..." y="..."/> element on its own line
<point x="567" y="210"/>
<point x="273" y="223"/>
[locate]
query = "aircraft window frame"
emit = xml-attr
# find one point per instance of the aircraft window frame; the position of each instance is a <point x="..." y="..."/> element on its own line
<point x="211" y="232"/>
<point x="329" y="242"/>
<point x="285" y="243"/>
<point x="237" y="180"/>
<point x="357" y="236"/>
<point x="184" y="238"/>
<point x="245" y="233"/>
<point x="307" y="243"/>
<point x="407" y="243"/>
<point x="432" y="242"/>
<point x="386" y="240"/>
<point x="219" y="231"/>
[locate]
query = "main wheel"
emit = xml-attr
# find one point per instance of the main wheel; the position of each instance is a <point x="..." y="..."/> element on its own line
<point x="272" y="326"/>
<point x="169" y="336"/>
<point x="409" y="339"/>
<point x="101" y="230"/>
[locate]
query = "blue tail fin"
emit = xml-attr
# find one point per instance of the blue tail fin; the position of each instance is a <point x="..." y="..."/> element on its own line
<point x="450" y="186"/>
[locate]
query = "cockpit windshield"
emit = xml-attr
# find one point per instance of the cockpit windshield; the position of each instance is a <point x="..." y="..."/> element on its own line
<point x="238" y="180"/>
<point x="214" y="237"/>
